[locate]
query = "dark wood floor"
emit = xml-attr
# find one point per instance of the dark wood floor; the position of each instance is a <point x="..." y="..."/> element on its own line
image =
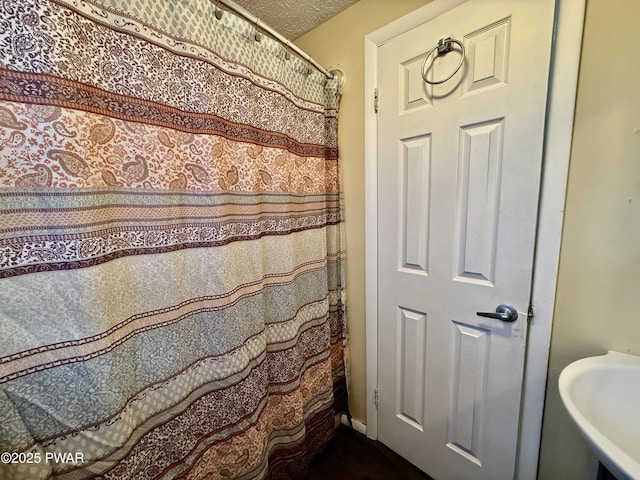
<point x="352" y="456"/>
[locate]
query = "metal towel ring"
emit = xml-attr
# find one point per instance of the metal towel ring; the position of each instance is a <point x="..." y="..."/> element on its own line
<point x="443" y="47"/>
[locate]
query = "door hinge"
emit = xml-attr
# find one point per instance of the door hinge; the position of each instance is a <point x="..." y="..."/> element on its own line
<point x="375" y="100"/>
<point x="375" y="397"/>
<point x="530" y="313"/>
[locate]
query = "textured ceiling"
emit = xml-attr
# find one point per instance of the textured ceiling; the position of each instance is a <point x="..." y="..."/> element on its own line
<point x="293" y="18"/>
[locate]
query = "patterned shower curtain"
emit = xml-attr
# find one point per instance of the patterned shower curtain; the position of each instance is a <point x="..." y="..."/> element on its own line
<point x="171" y="294"/>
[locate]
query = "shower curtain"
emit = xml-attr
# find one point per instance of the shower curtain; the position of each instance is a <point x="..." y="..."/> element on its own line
<point x="171" y="284"/>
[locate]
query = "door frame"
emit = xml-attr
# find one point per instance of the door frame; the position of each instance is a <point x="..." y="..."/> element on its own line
<point x="565" y="60"/>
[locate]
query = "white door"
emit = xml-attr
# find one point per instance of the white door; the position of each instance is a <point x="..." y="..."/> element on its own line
<point x="459" y="169"/>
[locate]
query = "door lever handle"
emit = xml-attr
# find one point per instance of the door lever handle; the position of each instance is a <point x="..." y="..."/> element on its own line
<point x="506" y="313"/>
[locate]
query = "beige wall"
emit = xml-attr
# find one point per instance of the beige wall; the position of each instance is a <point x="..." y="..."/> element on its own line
<point x="598" y="296"/>
<point x="339" y="43"/>
<point x="598" y="302"/>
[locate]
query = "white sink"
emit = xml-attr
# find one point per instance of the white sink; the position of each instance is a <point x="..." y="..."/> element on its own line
<point x="602" y="396"/>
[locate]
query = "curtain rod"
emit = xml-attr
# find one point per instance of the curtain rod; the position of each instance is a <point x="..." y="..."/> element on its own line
<point x="286" y="42"/>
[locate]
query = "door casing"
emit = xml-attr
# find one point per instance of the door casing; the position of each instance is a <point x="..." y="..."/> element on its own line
<point x="565" y="59"/>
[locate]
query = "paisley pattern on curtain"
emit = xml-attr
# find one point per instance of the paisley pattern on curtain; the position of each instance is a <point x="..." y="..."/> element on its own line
<point x="171" y="255"/>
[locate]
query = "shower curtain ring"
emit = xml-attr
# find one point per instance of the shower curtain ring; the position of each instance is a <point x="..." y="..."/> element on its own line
<point x="258" y="36"/>
<point x="340" y="76"/>
<point x="287" y="46"/>
<point x="217" y="10"/>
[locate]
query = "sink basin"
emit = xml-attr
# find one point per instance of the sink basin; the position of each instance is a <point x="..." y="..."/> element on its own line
<point x="602" y="396"/>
